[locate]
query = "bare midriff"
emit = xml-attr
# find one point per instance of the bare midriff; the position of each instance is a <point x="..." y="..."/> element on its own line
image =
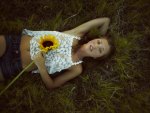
<point x="25" y="52"/>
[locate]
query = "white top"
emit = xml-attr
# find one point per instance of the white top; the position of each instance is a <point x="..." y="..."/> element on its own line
<point x="58" y="59"/>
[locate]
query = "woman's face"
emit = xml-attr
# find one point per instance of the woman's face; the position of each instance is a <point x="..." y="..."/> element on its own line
<point x="97" y="48"/>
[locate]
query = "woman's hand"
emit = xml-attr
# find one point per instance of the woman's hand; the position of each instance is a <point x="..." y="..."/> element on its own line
<point x="39" y="59"/>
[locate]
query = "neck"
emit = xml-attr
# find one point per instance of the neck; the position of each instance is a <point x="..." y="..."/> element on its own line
<point x="80" y="54"/>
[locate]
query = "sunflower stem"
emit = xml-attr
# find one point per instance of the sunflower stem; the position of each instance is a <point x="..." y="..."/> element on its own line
<point x="16" y="78"/>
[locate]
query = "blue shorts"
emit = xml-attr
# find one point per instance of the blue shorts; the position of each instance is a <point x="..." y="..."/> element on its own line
<point x="10" y="62"/>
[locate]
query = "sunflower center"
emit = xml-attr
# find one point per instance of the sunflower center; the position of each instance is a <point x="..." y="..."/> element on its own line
<point x="47" y="43"/>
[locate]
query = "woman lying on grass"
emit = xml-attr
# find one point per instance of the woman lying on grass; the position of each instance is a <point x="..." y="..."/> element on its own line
<point x="17" y="52"/>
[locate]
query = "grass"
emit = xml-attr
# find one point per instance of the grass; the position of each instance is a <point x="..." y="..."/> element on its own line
<point x="119" y="85"/>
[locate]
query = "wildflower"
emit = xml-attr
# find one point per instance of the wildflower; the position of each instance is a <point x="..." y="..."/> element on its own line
<point x="48" y="42"/>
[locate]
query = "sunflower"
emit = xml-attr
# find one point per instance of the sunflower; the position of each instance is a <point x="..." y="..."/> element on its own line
<point x="48" y="42"/>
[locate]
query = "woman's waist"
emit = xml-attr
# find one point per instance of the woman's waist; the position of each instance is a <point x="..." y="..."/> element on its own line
<point x="11" y="57"/>
<point x="25" y="52"/>
<point x="17" y="50"/>
<point x="32" y="67"/>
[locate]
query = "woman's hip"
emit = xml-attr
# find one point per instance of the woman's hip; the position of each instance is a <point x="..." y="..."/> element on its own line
<point x="10" y="62"/>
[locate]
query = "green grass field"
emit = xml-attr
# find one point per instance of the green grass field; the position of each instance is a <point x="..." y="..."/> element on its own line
<point x="119" y="85"/>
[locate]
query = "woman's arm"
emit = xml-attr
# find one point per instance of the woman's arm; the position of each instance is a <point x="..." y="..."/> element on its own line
<point x="101" y="23"/>
<point x="39" y="61"/>
<point x="58" y="81"/>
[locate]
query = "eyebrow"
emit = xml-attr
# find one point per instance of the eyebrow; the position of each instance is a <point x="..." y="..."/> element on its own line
<point x="101" y="49"/>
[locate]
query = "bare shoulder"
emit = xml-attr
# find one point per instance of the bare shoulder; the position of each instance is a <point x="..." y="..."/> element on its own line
<point x="71" y="32"/>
